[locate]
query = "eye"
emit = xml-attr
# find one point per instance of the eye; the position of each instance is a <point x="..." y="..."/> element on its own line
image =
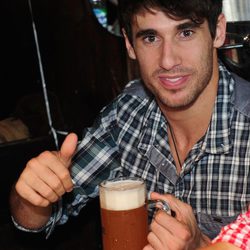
<point x="186" y="33"/>
<point x="150" y="39"/>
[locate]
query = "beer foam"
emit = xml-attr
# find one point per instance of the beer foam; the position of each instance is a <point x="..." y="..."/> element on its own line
<point x="122" y="195"/>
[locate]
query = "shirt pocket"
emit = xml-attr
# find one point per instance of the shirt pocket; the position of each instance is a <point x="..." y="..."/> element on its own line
<point x="211" y="225"/>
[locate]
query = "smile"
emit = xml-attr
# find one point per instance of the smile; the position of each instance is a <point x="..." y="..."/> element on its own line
<point x="173" y="79"/>
<point x="173" y="82"/>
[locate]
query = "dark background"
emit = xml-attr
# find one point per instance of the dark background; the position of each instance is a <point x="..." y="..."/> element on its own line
<point x="85" y="67"/>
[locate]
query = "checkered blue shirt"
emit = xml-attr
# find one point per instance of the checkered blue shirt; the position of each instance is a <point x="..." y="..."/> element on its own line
<point x="130" y="138"/>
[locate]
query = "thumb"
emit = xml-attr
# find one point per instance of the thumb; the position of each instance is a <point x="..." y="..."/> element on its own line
<point x="156" y="196"/>
<point x="68" y="148"/>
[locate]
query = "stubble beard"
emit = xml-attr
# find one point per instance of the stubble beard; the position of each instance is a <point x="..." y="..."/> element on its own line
<point x="200" y="81"/>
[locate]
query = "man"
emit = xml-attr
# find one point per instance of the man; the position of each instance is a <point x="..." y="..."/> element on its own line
<point x="184" y="129"/>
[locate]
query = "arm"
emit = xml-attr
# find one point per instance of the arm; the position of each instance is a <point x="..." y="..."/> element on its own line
<point x="220" y="246"/>
<point x="235" y="235"/>
<point x="178" y="232"/>
<point x="27" y="214"/>
<point x="43" y="181"/>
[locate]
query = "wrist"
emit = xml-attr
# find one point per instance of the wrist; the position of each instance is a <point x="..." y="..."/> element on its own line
<point x="27" y="214"/>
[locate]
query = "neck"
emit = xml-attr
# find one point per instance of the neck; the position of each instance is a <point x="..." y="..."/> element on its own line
<point x="190" y="124"/>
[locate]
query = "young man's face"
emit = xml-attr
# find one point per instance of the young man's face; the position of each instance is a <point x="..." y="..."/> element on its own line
<point x="176" y="57"/>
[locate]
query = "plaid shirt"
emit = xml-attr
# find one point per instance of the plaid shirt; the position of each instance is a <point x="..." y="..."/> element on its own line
<point x="237" y="233"/>
<point x="130" y="138"/>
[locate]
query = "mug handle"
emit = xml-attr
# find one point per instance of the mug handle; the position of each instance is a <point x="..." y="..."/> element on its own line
<point x="160" y="204"/>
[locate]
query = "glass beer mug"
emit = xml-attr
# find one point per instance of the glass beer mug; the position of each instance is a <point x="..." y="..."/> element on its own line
<point x="124" y="213"/>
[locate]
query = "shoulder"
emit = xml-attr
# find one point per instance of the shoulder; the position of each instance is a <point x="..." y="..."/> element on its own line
<point x="241" y="95"/>
<point x="136" y="88"/>
<point x="132" y="101"/>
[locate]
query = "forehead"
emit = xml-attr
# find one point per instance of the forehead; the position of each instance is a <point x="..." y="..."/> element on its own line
<point x="156" y="19"/>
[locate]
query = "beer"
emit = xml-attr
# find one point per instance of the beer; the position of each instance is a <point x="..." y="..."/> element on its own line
<point x="124" y="214"/>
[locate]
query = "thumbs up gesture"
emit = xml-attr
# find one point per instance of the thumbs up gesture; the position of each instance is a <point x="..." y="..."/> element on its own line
<point x="47" y="177"/>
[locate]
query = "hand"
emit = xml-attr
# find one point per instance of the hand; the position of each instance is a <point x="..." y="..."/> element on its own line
<point x="178" y="232"/>
<point x="46" y="178"/>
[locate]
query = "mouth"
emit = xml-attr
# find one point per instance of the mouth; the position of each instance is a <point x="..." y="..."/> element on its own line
<point x="173" y="82"/>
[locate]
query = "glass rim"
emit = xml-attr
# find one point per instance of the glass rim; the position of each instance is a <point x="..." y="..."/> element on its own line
<point x="104" y="183"/>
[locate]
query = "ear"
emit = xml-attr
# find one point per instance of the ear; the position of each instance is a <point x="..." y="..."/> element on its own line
<point x="220" y="31"/>
<point x="129" y="46"/>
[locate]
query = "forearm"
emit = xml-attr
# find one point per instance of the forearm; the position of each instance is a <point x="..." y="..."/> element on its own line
<point x="26" y="214"/>
<point x="220" y="246"/>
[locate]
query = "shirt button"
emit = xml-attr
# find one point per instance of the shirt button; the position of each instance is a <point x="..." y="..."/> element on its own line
<point x="162" y="142"/>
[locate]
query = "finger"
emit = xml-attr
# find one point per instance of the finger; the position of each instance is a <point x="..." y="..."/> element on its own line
<point x="154" y="195"/>
<point x="177" y="229"/>
<point x="154" y="241"/>
<point x="57" y="176"/>
<point x="184" y="224"/>
<point x="50" y="178"/>
<point x="68" y="148"/>
<point x="29" y="194"/>
<point x="40" y="187"/>
<point x="175" y="224"/>
<point x="148" y="247"/>
<point x="171" y="233"/>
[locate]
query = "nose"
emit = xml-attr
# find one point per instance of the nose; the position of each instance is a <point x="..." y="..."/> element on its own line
<point x="170" y="56"/>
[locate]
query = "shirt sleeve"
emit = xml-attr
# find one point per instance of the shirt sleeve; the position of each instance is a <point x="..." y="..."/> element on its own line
<point x="97" y="158"/>
<point x="237" y="233"/>
<point x="48" y="227"/>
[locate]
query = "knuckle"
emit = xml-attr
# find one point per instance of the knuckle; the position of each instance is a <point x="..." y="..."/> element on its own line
<point x="64" y="175"/>
<point x="186" y="234"/>
<point x="53" y="199"/>
<point x="31" y="163"/>
<point x="40" y="202"/>
<point x="150" y="236"/>
<point x="19" y="186"/>
<point x="45" y="155"/>
<point x="48" y="194"/>
<point x="158" y="216"/>
<point x="57" y="186"/>
<point x="188" y="206"/>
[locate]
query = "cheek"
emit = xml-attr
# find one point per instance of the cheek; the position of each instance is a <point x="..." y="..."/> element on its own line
<point x="147" y="60"/>
<point x="144" y="72"/>
<point x="145" y="64"/>
<point x="200" y="53"/>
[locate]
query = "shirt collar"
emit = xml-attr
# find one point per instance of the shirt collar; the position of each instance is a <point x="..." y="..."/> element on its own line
<point x="217" y="138"/>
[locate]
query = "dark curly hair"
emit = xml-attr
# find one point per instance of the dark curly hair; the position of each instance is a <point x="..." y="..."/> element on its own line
<point x="196" y="10"/>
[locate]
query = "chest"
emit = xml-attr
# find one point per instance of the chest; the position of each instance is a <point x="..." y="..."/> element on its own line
<point x="209" y="182"/>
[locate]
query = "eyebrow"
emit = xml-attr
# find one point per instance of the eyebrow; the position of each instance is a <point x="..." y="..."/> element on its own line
<point x="146" y="32"/>
<point x="188" y="25"/>
<point x="182" y="26"/>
